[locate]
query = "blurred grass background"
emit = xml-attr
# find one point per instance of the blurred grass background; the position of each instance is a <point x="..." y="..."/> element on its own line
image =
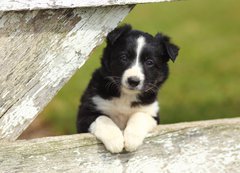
<point x="204" y="82"/>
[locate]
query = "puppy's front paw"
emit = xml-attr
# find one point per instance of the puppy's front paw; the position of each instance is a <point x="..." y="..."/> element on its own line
<point x="132" y="140"/>
<point x="107" y="132"/>
<point x="115" y="144"/>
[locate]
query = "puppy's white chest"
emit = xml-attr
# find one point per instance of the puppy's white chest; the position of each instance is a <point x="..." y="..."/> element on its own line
<point x="120" y="109"/>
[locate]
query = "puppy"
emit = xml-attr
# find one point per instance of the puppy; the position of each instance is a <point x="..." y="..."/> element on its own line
<point x="120" y="103"/>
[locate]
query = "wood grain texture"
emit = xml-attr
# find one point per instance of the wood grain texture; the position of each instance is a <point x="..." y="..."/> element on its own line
<point x="203" y="147"/>
<point x="39" y="52"/>
<point x="9" y="5"/>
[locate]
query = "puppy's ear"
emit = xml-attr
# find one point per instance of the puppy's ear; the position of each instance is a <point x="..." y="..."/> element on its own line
<point x="170" y="48"/>
<point x="117" y="32"/>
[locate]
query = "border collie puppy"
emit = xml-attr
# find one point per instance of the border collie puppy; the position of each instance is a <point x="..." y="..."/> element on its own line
<point x="120" y="103"/>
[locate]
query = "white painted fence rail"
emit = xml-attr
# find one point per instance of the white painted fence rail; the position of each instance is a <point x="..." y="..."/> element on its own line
<point x="196" y="147"/>
<point x="13" y="5"/>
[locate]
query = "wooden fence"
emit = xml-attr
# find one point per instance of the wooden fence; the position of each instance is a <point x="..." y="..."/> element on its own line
<point x="42" y="44"/>
<point x="202" y="147"/>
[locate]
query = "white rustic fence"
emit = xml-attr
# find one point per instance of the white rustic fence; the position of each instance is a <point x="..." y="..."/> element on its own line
<point x="202" y="147"/>
<point x="43" y="42"/>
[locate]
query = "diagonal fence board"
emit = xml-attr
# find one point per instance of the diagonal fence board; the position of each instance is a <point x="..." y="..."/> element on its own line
<point x="205" y="146"/>
<point x="40" y="50"/>
<point x="13" y="5"/>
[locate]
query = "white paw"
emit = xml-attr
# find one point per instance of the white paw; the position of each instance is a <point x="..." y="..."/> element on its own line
<point x="114" y="144"/>
<point x="108" y="132"/>
<point x="132" y="141"/>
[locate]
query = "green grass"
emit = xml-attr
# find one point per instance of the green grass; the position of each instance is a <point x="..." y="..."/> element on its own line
<point x="204" y="82"/>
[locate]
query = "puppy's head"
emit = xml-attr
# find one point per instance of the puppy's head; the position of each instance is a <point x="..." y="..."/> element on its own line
<point x="137" y="59"/>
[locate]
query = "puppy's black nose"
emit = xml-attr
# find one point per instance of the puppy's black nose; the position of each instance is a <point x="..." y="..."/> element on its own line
<point x="133" y="81"/>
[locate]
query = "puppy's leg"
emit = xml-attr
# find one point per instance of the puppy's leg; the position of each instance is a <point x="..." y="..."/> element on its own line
<point x="137" y="129"/>
<point x="108" y="132"/>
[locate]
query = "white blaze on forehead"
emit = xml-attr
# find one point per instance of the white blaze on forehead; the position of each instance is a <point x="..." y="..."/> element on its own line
<point x="135" y="69"/>
<point x="140" y="45"/>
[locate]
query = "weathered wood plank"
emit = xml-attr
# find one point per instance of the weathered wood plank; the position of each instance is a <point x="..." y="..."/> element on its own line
<point x="207" y="146"/>
<point x="39" y="52"/>
<point x="9" y="5"/>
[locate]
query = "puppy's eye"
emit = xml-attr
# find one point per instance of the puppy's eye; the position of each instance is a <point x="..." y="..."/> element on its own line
<point x="124" y="58"/>
<point x="149" y="63"/>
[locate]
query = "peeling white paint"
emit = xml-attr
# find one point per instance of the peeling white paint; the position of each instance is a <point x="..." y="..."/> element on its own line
<point x="25" y="111"/>
<point x="145" y="164"/>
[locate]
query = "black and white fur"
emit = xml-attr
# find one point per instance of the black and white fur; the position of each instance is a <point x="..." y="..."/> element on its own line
<point x="120" y="103"/>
